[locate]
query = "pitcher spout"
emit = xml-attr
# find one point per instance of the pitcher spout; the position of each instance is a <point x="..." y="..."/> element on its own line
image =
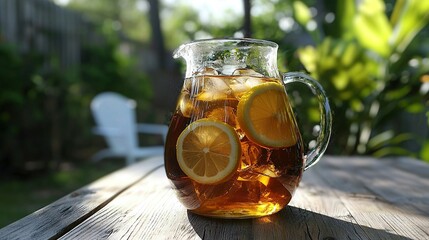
<point x="228" y="54"/>
<point x="179" y="52"/>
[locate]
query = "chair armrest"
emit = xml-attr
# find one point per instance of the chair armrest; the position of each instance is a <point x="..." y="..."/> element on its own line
<point x="103" y="131"/>
<point x="152" y="128"/>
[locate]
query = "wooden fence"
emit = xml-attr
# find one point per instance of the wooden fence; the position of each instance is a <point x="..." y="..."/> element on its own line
<point x="44" y="27"/>
<point x="54" y="31"/>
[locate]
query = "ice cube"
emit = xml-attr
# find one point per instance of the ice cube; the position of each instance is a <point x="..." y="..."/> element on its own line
<point x="193" y="85"/>
<point x="249" y="191"/>
<point x="229" y="69"/>
<point x="243" y="84"/>
<point x="185" y="104"/>
<point x="252" y="82"/>
<point x="225" y="114"/>
<point x="214" y="88"/>
<point x="239" y="88"/>
<point x="247" y="72"/>
<point x="205" y="191"/>
<point x="251" y="153"/>
<point x="256" y="161"/>
<point x="207" y="71"/>
<point x="249" y="175"/>
<point x="187" y="84"/>
<point x="215" y="84"/>
<point x="268" y="170"/>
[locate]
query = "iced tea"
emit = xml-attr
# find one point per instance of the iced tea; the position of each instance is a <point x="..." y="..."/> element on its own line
<point x="266" y="176"/>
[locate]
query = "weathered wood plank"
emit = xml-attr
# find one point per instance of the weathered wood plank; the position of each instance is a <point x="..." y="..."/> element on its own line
<point x="149" y="209"/>
<point x="59" y="217"/>
<point x="353" y="198"/>
<point x="373" y="192"/>
<point x="335" y="200"/>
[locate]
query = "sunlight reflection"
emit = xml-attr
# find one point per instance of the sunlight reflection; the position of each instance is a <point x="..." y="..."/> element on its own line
<point x="136" y="172"/>
<point x="264" y="220"/>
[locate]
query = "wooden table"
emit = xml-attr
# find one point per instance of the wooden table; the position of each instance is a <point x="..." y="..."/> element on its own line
<point x="339" y="198"/>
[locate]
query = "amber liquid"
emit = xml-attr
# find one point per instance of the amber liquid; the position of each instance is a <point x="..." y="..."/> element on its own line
<point x="267" y="177"/>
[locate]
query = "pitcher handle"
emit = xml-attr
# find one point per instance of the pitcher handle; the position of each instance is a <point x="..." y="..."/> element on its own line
<point x="313" y="155"/>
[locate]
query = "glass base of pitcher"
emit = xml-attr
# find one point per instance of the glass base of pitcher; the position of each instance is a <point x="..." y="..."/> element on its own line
<point x="239" y="211"/>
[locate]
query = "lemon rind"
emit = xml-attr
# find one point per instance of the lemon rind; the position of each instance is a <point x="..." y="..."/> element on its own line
<point x="234" y="159"/>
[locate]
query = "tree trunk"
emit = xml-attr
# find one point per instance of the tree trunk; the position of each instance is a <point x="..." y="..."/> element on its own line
<point x="247" y="25"/>
<point x="157" y="39"/>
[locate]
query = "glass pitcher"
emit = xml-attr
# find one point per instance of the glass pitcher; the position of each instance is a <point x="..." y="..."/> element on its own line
<point x="234" y="149"/>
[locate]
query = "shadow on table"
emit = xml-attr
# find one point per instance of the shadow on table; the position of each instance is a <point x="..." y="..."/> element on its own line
<point x="290" y="223"/>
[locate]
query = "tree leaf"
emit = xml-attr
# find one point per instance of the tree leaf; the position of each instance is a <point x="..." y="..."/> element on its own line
<point x="397" y="94"/>
<point x="380" y="139"/>
<point x="388" y="137"/>
<point x="408" y="18"/>
<point x="344" y="16"/>
<point x="415" y="107"/>
<point x="308" y="56"/>
<point x="389" y="151"/>
<point x="424" y="153"/>
<point x="372" y="28"/>
<point x="302" y="13"/>
<point x="340" y="80"/>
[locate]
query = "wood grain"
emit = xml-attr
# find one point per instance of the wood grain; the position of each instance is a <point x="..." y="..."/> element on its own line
<point x="59" y="217"/>
<point x="340" y="198"/>
<point x="381" y="199"/>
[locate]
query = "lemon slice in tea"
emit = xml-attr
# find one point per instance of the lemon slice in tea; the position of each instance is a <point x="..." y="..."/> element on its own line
<point x="208" y="151"/>
<point x="264" y="116"/>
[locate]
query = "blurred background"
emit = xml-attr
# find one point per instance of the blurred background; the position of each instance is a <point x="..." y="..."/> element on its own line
<point x="371" y="56"/>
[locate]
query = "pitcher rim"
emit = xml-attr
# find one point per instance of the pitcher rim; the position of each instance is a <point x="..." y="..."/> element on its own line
<point x="208" y="40"/>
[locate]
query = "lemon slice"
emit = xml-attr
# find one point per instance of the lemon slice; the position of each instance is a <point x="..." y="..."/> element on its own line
<point x="208" y="151"/>
<point x="263" y="114"/>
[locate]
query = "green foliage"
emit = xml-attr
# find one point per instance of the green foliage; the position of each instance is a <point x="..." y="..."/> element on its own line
<point x="18" y="111"/>
<point x="408" y="18"/>
<point x="105" y="69"/>
<point x="126" y="16"/>
<point x="364" y="65"/>
<point x="302" y="13"/>
<point x="425" y="151"/>
<point x="345" y="65"/>
<point x="372" y="28"/>
<point x="44" y="107"/>
<point x="185" y="24"/>
<point x="182" y="23"/>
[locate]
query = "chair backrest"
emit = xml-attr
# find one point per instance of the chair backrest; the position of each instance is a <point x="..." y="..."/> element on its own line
<point x="115" y="115"/>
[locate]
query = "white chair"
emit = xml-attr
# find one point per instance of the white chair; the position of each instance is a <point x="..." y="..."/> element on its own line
<point x="115" y="116"/>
